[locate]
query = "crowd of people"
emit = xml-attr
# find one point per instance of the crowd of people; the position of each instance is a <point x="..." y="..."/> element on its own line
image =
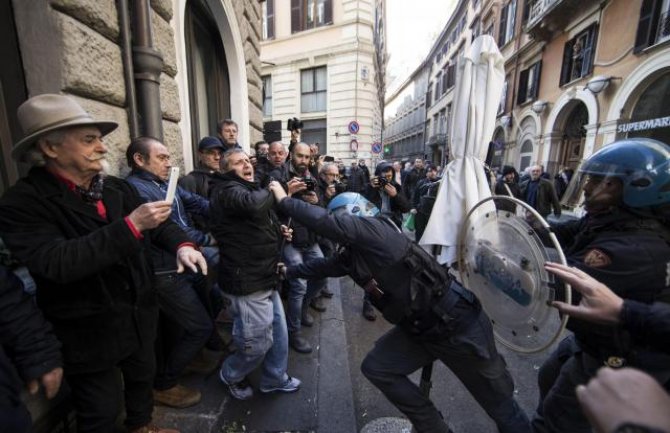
<point x="129" y="281"/>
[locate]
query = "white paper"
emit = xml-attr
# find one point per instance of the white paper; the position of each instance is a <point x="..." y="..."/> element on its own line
<point x="172" y="184"/>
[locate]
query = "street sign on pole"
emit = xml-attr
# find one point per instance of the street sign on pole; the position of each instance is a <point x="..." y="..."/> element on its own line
<point x="354" y="127"/>
<point x="376" y="147"/>
<point x="353" y="145"/>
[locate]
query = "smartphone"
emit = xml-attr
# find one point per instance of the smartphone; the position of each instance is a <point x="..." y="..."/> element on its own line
<point x="328" y="158"/>
<point x="172" y="184"/>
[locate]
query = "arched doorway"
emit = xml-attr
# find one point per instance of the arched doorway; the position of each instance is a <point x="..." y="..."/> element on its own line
<point x="571" y="147"/>
<point x="525" y="155"/>
<point x="498" y="148"/>
<point x="647" y="116"/>
<point x="208" y="78"/>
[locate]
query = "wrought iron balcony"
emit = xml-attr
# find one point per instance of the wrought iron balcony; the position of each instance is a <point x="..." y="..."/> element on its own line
<point x="547" y="17"/>
<point x="539" y="9"/>
<point x="437" y="140"/>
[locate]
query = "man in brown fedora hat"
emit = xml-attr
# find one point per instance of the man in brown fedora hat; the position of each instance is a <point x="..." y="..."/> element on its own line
<point x="84" y="236"/>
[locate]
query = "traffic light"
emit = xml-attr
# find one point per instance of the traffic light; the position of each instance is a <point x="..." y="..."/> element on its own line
<point x="387" y="149"/>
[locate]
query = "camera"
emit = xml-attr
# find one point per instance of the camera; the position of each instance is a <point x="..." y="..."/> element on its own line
<point x="339" y="187"/>
<point x="293" y="124"/>
<point x="311" y="183"/>
<point x="382" y="181"/>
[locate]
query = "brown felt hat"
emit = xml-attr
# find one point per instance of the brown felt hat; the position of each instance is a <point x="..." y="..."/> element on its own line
<point x="45" y="113"/>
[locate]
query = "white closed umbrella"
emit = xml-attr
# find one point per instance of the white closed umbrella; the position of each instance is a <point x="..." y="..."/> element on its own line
<point x="479" y="85"/>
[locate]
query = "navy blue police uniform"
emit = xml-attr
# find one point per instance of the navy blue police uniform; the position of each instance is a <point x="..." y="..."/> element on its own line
<point x="624" y="243"/>
<point x="435" y="317"/>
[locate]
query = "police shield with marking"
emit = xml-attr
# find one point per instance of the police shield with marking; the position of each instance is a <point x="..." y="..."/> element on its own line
<point x="501" y="259"/>
<point x="434" y="316"/>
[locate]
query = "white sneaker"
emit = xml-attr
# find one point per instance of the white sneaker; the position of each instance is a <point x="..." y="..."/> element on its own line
<point x="241" y="390"/>
<point x="290" y="385"/>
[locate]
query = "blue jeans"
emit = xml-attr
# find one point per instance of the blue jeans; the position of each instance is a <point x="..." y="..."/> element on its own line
<point x="469" y="352"/>
<point x="300" y="290"/>
<point x="259" y="332"/>
<point x="179" y="301"/>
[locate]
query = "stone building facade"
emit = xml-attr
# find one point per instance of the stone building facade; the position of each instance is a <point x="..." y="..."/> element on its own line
<point x="324" y="62"/>
<point x="210" y="68"/>
<point x="580" y="75"/>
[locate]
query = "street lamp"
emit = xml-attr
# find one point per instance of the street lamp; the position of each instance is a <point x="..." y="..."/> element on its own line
<point x="506" y="120"/>
<point x="599" y="83"/>
<point x="539" y="106"/>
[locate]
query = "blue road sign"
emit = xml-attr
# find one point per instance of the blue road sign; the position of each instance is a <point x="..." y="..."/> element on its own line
<point x="354" y="127"/>
<point x="376" y="147"/>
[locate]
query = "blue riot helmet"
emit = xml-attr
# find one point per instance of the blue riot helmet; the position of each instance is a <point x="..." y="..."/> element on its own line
<point x="641" y="165"/>
<point x="352" y="203"/>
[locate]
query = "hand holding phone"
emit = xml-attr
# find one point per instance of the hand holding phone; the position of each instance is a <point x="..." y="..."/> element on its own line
<point x="172" y="184"/>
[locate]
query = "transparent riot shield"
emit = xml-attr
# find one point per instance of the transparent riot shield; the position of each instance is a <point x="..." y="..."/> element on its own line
<point x="501" y="259"/>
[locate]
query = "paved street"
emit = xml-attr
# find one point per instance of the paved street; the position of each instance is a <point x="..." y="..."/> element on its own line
<point x="335" y="397"/>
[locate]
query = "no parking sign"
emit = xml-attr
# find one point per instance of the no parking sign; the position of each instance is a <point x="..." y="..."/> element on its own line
<point x="354" y="127"/>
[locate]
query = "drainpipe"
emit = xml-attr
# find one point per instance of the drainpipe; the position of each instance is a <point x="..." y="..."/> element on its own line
<point x="148" y="64"/>
<point x="127" y="60"/>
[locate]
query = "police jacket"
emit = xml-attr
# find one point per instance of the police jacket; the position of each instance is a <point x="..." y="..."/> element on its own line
<point x="629" y="254"/>
<point x="247" y="230"/>
<point x="301" y="237"/>
<point x="374" y="248"/>
<point x="648" y="324"/>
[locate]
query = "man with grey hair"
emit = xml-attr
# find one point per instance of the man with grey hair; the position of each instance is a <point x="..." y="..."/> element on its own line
<point x="539" y="193"/>
<point x="247" y="230"/>
<point x="84" y="237"/>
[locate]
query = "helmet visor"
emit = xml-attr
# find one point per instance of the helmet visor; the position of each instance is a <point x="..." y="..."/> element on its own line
<point x="593" y="188"/>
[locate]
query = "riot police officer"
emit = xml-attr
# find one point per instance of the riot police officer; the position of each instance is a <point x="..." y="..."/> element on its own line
<point x="435" y="317"/>
<point x="624" y="242"/>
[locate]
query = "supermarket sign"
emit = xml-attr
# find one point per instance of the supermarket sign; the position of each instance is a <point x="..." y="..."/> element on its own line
<point x="644" y="125"/>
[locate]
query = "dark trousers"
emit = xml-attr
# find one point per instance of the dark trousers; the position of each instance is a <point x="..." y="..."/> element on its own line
<point x="420" y="223"/>
<point x="15" y="419"/>
<point x="179" y="301"/>
<point x="469" y="352"/>
<point x="96" y="396"/>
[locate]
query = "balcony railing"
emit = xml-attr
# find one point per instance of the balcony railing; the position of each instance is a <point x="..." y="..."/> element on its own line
<point x="437" y="140"/>
<point x="663" y="32"/>
<point x="538" y="9"/>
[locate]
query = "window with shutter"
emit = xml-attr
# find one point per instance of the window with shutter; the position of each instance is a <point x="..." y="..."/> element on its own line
<point x="310" y="14"/>
<point x="503" y="26"/>
<point x="578" y="55"/>
<point x="267" y="95"/>
<point x="523" y="86"/>
<point x="268" y="16"/>
<point x="313" y="89"/>
<point x="529" y="83"/>
<point x="648" y="24"/>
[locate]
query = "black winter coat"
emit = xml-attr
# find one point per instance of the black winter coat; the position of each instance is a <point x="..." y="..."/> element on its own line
<point x="302" y="237"/>
<point x="247" y="230"/>
<point x="399" y="204"/>
<point x="27" y="339"/>
<point x="93" y="275"/>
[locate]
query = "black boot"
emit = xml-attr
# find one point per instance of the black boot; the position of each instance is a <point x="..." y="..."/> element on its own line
<point x="299" y="343"/>
<point x="369" y="311"/>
